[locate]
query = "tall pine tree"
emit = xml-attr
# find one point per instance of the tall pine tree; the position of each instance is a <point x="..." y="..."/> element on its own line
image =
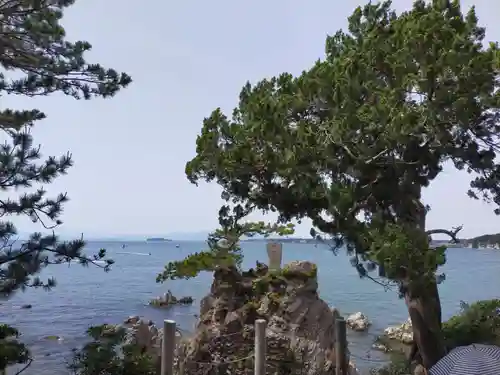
<point x="37" y="60"/>
<point x="352" y="142"/>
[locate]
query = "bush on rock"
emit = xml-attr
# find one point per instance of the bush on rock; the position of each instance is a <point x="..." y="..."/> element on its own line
<point x="476" y="323"/>
<point x="107" y="354"/>
<point x="398" y="366"/>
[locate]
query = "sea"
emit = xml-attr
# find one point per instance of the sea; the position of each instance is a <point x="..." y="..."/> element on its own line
<point x="86" y="296"/>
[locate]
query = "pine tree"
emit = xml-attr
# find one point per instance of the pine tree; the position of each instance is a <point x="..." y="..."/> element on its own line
<point x="352" y="142"/>
<point x="37" y="60"/>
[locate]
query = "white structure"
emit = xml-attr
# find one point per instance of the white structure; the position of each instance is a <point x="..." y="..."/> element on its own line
<point x="275" y="253"/>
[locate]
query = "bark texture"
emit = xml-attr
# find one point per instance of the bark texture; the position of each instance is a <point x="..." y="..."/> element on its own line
<point x="424" y="305"/>
<point x="424" y="308"/>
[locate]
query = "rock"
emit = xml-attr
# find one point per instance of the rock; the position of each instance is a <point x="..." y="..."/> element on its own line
<point x="186" y="300"/>
<point x="300" y="325"/>
<point x="402" y="333"/>
<point x="168" y="300"/>
<point x="358" y="322"/>
<point x="396" y="339"/>
<point x="132" y="319"/>
<point x="388" y="345"/>
<point x="110" y="330"/>
<point x="26" y="306"/>
<point x="53" y="338"/>
<point x="419" y="370"/>
<point x="147" y="336"/>
<point x="352" y="369"/>
<point x="381" y="347"/>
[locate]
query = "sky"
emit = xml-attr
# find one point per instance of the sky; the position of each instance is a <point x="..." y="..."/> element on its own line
<point x="186" y="59"/>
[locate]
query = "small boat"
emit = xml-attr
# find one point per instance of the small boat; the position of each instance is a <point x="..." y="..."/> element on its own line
<point x="177" y="246"/>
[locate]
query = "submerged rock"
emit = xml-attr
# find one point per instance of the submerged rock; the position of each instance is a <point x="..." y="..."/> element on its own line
<point x="358" y="322"/>
<point x="381" y="347"/>
<point x="53" y="338"/>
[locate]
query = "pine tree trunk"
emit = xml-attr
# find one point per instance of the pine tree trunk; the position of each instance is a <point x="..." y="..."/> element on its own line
<point x="424" y="308"/>
<point x="423" y="303"/>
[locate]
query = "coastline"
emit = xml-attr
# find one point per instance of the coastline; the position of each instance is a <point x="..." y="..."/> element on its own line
<point x="88" y="296"/>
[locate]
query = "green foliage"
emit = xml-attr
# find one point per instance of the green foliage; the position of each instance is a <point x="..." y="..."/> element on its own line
<point x="11" y="351"/>
<point x="108" y="355"/>
<point x="42" y="62"/>
<point x="397" y="366"/>
<point x="288" y="273"/>
<point x="351" y="142"/>
<point x="48" y="62"/>
<point x="271" y="279"/>
<point x="224" y="245"/>
<point x="477" y="323"/>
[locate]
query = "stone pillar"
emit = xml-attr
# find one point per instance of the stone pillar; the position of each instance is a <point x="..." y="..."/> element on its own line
<point x="275" y="254"/>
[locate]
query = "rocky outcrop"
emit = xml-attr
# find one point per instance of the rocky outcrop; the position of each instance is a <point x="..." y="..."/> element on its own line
<point x="395" y="338"/>
<point x="402" y="333"/>
<point x="168" y="300"/>
<point x="138" y="332"/>
<point x="300" y="326"/>
<point x="358" y="322"/>
<point x="145" y="334"/>
<point x="132" y="319"/>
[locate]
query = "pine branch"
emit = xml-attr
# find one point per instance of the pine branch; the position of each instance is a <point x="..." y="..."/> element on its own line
<point x="224" y="245"/>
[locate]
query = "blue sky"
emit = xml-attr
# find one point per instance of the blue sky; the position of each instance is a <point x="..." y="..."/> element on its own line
<point x="186" y="59"/>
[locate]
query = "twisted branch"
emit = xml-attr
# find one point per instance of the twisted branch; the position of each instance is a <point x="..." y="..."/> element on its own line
<point x="451" y="233"/>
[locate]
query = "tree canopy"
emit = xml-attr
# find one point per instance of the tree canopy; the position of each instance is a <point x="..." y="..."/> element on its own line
<point x="351" y="142"/>
<point x="37" y="60"/>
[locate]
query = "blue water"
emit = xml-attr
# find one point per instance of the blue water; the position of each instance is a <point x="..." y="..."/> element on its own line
<point x="89" y="296"/>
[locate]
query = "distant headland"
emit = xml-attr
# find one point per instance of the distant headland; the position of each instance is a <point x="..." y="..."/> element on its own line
<point x="158" y="239"/>
<point x="489" y="241"/>
<point x="286" y="240"/>
<point x="485" y="241"/>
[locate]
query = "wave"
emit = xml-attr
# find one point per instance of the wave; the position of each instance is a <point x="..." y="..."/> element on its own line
<point x="131" y="253"/>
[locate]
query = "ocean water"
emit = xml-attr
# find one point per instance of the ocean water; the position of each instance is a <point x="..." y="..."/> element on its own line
<point x="89" y="296"/>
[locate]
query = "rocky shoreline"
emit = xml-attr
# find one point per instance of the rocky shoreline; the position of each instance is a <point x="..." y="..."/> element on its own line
<point x="300" y="325"/>
<point x="397" y="338"/>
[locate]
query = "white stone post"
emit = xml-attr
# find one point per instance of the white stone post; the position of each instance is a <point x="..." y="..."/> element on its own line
<point x="275" y="254"/>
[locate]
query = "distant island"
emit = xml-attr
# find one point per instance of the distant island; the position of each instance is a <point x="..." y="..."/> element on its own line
<point x="158" y="239"/>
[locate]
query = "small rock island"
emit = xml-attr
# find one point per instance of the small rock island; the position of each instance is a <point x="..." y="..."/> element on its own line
<point x="168" y="300"/>
<point x="300" y="329"/>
